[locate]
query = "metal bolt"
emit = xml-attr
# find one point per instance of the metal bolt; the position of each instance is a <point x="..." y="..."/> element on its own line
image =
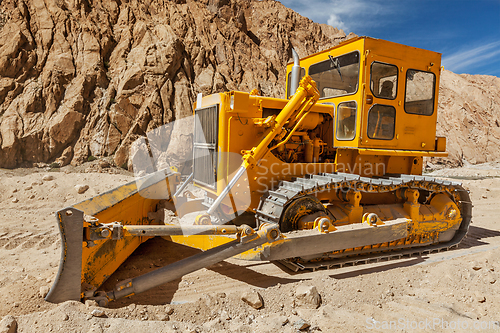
<point x="324" y="224"/>
<point x="273" y="233"/>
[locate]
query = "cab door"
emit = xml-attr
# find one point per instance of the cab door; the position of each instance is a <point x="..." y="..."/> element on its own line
<point x="384" y="89"/>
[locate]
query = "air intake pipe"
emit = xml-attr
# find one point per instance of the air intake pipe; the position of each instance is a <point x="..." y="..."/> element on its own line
<point x="294" y="80"/>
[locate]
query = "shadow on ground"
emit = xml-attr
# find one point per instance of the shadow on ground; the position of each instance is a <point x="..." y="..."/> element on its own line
<point x="158" y="252"/>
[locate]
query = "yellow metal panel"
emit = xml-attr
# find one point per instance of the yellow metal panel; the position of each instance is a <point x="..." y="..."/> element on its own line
<point x="211" y="100"/>
<point x="101" y="260"/>
<point x="200" y="242"/>
<point x="399" y="51"/>
<point x="240" y="101"/>
<point x="441" y="143"/>
<point x="124" y="204"/>
<point x="393" y="152"/>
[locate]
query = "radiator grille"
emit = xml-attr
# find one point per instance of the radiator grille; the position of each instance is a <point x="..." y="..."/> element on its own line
<point x="205" y="146"/>
<point x="207" y="118"/>
<point x="205" y="161"/>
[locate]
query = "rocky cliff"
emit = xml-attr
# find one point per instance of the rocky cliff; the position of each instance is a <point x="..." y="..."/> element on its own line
<point x="83" y="78"/>
<point x="86" y="78"/>
<point x="469" y="117"/>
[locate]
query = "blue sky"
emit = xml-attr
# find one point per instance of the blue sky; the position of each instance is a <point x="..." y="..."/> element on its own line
<point x="466" y="32"/>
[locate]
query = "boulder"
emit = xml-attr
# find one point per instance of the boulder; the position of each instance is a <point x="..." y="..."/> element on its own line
<point x="44" y="290"/>
<point x="65" y="157"/>
<point x="8" y="324"/>
<point x="81" y="188"/>
<point x="253" y="298"/>
<point x="65" y="126"/>
<point x="308" y="297"/>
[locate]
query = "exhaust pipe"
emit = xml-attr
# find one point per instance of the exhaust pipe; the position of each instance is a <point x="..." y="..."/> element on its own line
<point x="294" y="80"/>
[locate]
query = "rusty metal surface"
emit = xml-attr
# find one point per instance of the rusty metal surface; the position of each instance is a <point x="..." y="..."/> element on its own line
<point x="86" y="263"/>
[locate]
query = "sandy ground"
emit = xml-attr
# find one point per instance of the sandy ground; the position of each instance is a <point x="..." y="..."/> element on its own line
<point x="457" y="290"/>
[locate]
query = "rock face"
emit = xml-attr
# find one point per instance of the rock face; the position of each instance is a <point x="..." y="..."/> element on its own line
<point x="469" y="116"/>
<point x="96" y="76"/>
<point x="83" y="79"/>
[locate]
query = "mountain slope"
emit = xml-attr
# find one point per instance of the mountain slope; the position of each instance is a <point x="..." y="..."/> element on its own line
<point x="81" y="79"/>
<point x="96" y="77"/>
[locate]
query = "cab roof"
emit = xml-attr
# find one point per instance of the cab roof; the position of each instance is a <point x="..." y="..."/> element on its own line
<point x="352" y="40"/>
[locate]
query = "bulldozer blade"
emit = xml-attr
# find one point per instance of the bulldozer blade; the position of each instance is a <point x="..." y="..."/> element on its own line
<point x="67" y="285"/>
<point x="86" y="264"/>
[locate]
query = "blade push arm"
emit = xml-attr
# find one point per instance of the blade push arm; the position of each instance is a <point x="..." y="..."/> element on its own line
<point x="248" y="238"/>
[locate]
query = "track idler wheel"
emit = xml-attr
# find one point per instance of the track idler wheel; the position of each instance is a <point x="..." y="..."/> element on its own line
<point x="306" y="205"/>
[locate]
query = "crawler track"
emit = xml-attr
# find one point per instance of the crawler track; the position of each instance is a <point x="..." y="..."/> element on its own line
<point x="274" y="203"/>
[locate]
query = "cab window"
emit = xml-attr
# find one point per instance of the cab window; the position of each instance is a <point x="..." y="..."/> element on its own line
<point x="346" y="121"/>
<point x="336" y="76"/>
<point x="381" y="122"/>
<point x="384" y="80"/>
<point x="419" y="98"/>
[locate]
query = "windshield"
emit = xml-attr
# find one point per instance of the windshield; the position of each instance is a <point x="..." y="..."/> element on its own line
<point x="336" y="76"/>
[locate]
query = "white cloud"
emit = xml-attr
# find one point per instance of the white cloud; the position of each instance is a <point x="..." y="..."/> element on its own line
<point x="351" y="15"/>
<point x="471" y="58"/>
<point x="335" y="21"/>
<point x="348" y="15"/>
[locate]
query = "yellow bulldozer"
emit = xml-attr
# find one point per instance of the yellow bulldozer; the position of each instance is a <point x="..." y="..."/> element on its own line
<point x="329" y="176"/>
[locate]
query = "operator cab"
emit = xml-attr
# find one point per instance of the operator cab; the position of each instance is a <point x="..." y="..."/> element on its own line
<point x="384" y="94"/>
